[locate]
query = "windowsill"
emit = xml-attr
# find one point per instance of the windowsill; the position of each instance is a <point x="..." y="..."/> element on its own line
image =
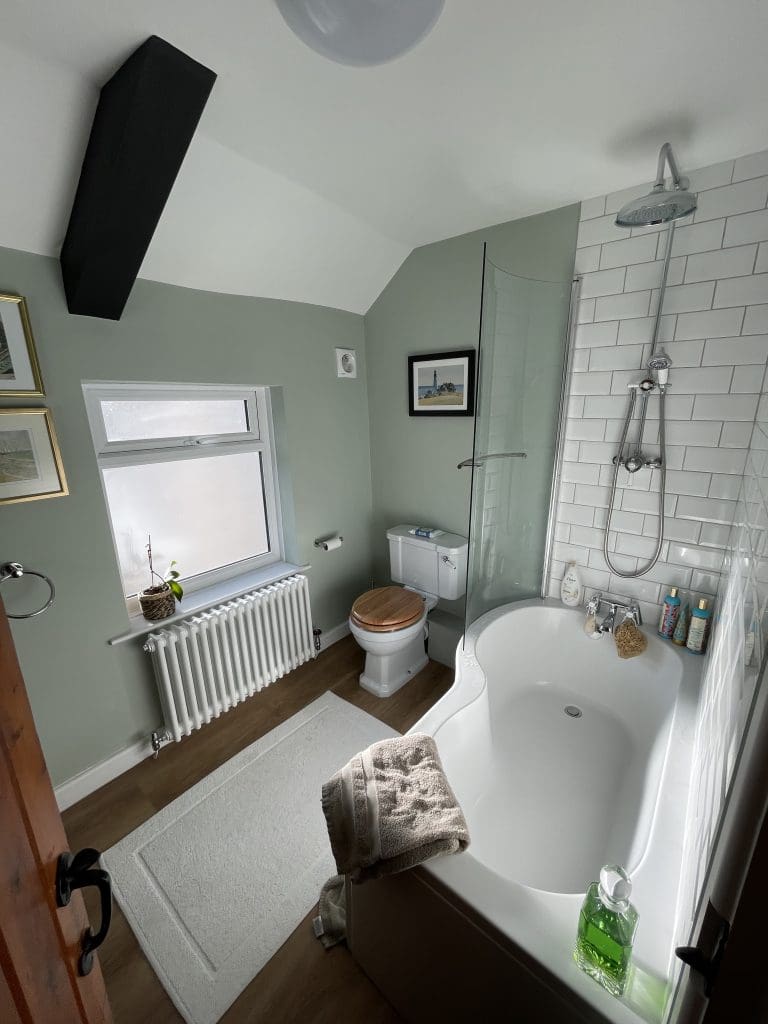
<point x="207" y="597"/>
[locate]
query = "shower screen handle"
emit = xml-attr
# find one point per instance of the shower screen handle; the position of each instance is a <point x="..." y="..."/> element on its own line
<point x="478" y="460"/>
<point x="713" y="936"/>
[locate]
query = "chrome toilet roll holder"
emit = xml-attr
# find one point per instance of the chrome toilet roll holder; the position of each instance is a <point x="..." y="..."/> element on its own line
<point x="322" y="542"/>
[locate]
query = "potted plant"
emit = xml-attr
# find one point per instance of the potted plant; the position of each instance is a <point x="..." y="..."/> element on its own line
<point x="158" y="601"/>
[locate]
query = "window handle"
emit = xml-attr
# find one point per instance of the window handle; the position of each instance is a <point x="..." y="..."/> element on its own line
<point x="208" y="440"/>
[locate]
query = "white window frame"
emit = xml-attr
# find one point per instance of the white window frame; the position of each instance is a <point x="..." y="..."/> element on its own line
<point x="258" y="438"/>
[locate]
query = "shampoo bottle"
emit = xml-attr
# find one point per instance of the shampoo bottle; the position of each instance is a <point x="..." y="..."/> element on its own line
<point x="571" y="590"/>
<point x="680" y="634"/>
<point x="698" y="631"/>
<point x="670" y="611"/>
<point x="607" y="925"/>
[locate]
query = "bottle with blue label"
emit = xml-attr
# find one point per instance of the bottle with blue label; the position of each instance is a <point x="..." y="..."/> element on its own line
<point x="698" y="631"/>
<point x="670" y="612"/>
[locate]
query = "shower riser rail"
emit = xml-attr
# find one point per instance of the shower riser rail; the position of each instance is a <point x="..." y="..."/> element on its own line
<point x="212" y="661"/>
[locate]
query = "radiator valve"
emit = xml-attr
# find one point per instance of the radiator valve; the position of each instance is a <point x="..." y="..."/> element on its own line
<point x="316" y="634"/>
<point x="159" y="739"/>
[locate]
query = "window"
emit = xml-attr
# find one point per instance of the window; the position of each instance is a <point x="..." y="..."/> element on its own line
<point x="192" y="465"/>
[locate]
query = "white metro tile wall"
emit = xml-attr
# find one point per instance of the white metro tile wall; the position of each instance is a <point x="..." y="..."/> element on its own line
<point x="730" y="671"/>
<point x="715" y="328"/>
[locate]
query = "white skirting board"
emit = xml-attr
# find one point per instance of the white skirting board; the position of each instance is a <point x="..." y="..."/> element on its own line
<point x="98" y="775"/>
<point x="332" y="636"/>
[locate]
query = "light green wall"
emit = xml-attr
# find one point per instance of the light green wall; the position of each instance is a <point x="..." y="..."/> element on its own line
<point x="432" y="304"/>
<point x="91" y="700"/>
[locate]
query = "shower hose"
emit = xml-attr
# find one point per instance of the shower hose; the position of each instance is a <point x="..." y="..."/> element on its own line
<point x="640" y="571"/>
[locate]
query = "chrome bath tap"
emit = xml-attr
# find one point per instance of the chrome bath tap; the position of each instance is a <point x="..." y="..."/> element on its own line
<point x="618" y="611"/>
<point x="608" y="623"/>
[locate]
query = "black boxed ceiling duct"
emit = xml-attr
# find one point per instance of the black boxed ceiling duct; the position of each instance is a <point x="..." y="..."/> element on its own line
<point x="144" y="123"/>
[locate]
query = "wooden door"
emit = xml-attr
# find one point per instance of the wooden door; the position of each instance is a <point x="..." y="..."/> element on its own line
<point x="40" y="943"/>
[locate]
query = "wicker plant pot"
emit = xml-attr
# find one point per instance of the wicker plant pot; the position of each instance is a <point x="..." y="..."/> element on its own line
<point x="157" y="602"/>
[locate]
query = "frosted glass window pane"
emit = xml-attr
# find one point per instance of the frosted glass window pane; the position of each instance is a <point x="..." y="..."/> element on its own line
<point x="203" y="512"/>
<point x="135" y="420"/>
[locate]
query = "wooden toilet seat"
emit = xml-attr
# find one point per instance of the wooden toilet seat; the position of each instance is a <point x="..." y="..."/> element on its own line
<point x="387" y="609"/>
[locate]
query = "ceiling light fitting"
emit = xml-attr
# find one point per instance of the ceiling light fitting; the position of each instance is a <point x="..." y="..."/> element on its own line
<point x="361" y="32"/>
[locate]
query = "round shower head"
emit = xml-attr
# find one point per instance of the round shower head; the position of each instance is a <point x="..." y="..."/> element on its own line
<point x="658" y="207"/>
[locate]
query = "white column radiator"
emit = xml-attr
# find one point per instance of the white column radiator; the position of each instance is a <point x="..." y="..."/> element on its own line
<point x="212" y="661"/>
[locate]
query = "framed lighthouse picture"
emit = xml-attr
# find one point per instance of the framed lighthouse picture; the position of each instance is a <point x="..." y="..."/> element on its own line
<point x="442" y="384"/>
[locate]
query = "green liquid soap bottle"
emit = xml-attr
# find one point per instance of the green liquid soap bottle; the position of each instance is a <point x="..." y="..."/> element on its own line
<point x="607" y="925"/>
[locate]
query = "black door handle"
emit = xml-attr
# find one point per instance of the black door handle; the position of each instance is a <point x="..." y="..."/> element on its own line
<point x="77" y="872"/>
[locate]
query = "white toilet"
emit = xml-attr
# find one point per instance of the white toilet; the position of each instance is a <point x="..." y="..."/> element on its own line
<point x="389" y="622"/>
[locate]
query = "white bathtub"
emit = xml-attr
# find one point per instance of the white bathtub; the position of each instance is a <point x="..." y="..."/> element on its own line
<point x="549" y="798"/>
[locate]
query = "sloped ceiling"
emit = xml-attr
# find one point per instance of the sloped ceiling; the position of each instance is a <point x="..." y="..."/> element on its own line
<point x="312" y="181"/>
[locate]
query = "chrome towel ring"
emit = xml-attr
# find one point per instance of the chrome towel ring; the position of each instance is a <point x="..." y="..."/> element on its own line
<point x="14" y="571"/>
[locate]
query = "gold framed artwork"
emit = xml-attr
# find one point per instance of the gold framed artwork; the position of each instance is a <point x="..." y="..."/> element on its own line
<point x="30" y="460"/>
<point x="19" y="369"/>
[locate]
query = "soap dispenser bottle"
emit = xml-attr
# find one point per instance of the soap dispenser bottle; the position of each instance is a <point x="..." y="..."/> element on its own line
<point x="571" y="590"/>
<point x="607" y="925"/>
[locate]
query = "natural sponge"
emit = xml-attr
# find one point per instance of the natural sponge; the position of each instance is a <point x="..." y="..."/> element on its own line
<point x="630" y="639"/>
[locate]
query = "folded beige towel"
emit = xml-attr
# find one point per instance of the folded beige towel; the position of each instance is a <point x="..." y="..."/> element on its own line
<point x="390" y="808"/>
<point x="387" y="810"/>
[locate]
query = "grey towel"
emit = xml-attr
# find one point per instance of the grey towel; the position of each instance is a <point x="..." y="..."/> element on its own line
<point x="330" y="925"/>
<point x="391" y="808"/>
<point x="387" y="810"/>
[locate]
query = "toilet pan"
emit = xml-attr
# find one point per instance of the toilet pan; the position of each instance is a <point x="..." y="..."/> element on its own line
<point x="389" y="624"/>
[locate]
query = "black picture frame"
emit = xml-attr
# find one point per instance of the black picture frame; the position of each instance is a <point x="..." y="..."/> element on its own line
<point x="443" y="396"/>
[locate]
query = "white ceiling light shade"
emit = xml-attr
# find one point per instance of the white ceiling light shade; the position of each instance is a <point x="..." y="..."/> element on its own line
<point x="361" y="32"/>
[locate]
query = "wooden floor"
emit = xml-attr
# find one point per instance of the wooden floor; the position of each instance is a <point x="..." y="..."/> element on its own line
<point x="302" y="983"/>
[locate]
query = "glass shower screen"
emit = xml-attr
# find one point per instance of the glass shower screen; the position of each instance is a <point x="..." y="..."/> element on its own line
<point x="522" y="353"/>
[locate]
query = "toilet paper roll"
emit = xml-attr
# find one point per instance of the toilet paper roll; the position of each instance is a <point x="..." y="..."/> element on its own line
<point x="332" y="543"/>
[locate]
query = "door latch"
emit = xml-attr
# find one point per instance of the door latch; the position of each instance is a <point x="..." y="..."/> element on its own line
<point x="77" y="872"/>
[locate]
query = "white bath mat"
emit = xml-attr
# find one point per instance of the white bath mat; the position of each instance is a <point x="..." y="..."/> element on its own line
<point x="214" y="883"/>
